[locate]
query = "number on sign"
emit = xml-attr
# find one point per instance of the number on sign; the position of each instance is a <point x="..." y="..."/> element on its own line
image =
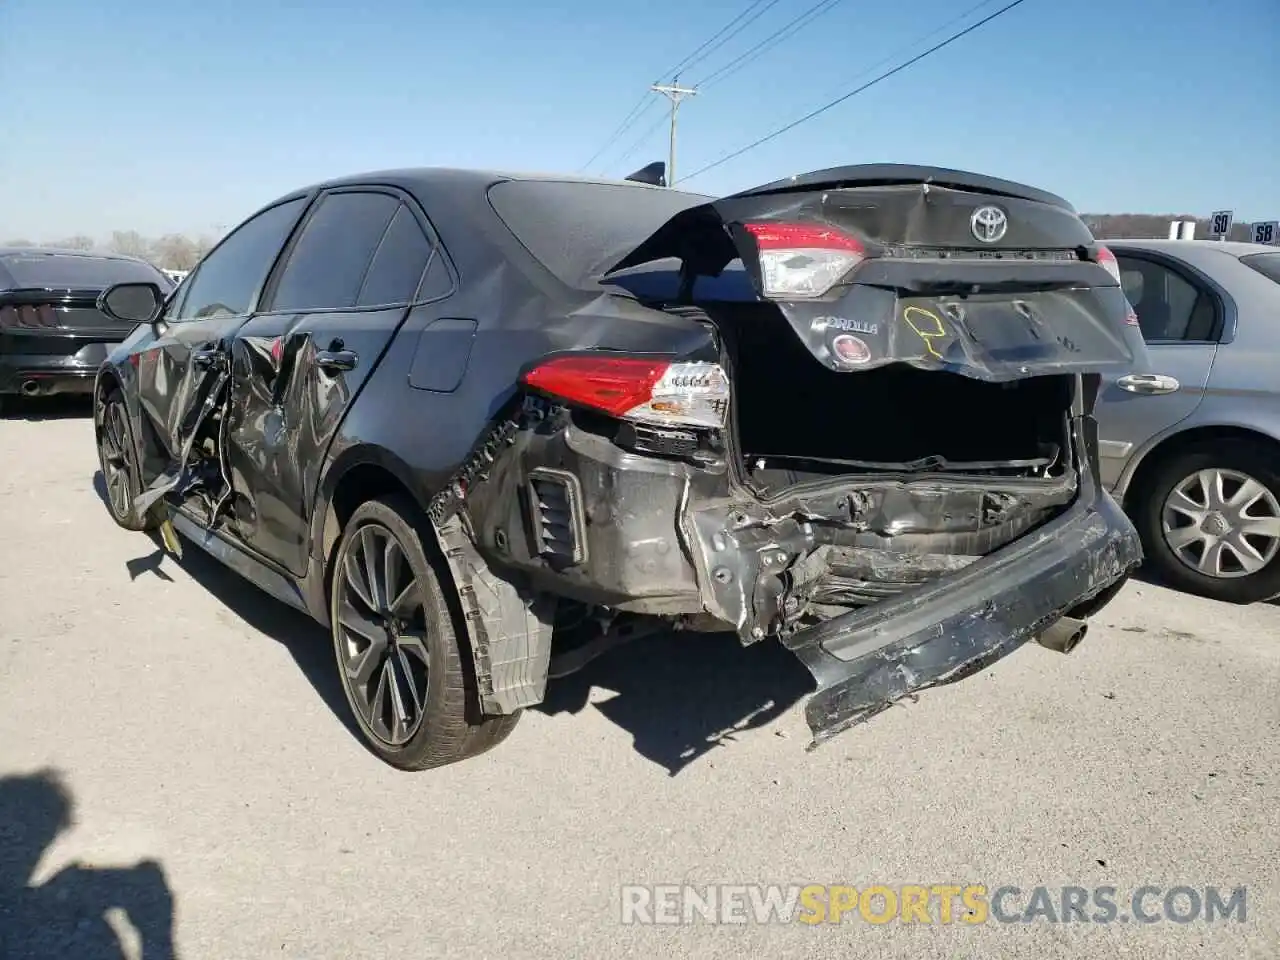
<point x="1268" y="232"/>
<point x="1221" y="223"/>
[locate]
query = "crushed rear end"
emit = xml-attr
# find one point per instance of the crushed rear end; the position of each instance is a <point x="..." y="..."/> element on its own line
<point x="875" y="441"/>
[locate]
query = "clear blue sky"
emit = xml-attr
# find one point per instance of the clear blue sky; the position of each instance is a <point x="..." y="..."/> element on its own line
<point x="186" y="114"/>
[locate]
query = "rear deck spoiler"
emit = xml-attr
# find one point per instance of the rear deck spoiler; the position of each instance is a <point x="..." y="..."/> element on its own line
<point x="891" y="174"/>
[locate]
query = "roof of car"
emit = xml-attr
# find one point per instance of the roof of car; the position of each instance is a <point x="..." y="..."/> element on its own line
<point x="67" y="252"/>
<point x="1234" y="248"/>
<point x="437" y="178"/>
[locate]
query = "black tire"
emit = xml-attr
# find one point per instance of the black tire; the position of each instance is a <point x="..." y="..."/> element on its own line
<point x="1238" y="456"/>
<point x="117" y="457"/>
<point x="448" y="725"/>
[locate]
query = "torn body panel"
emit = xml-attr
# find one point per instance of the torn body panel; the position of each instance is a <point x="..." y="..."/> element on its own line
<point x="867" y="660"/>
<point x="840" y="571"/>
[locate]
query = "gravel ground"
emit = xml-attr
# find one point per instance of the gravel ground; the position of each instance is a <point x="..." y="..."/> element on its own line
<point x="211" y="783"/>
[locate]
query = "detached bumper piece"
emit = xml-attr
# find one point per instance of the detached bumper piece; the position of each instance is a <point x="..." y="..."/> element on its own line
<point x="866" y="661"/>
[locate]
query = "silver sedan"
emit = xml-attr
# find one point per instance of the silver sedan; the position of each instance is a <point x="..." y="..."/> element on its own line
<point x="1192" y="447"/>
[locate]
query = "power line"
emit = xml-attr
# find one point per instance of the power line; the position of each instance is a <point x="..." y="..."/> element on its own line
<point x="643" y="139"/>
<point x="907" y="48"/>
<point x="787" y="30"/>
<point x="857" y="90"/>
<point x="690" y="59"/>
<point x="700" y="53"/>
<point x="632" y="116"/>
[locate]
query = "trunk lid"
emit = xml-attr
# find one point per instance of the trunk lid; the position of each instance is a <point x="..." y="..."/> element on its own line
<point x="937" y="268"/>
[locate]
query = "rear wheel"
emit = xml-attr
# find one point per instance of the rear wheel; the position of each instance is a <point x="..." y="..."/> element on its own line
<point x="399" y="657"/>
<point x="119" y="462"/>
<point x="1210" y="521"/>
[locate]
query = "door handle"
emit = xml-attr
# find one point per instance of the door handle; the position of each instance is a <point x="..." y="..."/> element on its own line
<point x="337" y="360"/>
<point x="1148" y="383"/>
<point x="204" y="358"/>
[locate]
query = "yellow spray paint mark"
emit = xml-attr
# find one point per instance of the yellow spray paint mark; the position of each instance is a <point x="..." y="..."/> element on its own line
<point x="170" y="538"/>
<point x="933" y="328"/>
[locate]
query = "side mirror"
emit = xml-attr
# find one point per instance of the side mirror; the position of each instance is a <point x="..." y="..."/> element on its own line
<point x="131" y="302"/>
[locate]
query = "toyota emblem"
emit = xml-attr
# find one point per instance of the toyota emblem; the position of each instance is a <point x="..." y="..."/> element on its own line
<point x="988" y="224"/>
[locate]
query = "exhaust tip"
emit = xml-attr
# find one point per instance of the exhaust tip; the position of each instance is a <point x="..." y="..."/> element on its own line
<point x="30" y="388"/>
<point x="1065" y="635"/>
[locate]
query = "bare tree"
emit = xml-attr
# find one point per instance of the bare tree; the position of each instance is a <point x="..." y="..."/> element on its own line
<point x="203" y="244"/>
<point x="130" y="243"/>
<point x="77" y="242"/>
<point x="175" y="251"/>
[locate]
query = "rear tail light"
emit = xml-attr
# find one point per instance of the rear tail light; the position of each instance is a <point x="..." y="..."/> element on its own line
<point x="803" y="259"/>
<point x="28" y="315"/>
<point x="631" y="388"/>
<point x="1108" y="262"/>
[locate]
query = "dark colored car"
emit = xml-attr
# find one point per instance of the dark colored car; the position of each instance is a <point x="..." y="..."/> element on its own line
<point x="462" y="418"/>
<point x="53" y="337"/>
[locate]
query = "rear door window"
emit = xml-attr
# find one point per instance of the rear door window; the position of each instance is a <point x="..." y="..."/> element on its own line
<point x="1171" y="306"/>
<point x="396" y="270"/>
<point x="329" y="262"/>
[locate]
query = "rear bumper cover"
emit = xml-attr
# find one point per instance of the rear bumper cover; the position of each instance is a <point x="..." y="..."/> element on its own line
<point x="72" y="371"/>
<point x="867" y="660"/>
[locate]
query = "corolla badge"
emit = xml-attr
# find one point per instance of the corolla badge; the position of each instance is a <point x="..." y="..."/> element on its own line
<point x="988" y="224"/>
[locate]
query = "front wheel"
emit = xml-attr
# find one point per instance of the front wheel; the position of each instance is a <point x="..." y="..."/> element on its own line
<point x="1210" y="521"/>
<point x="399" y="657"/>
<point x="119" y="463"/>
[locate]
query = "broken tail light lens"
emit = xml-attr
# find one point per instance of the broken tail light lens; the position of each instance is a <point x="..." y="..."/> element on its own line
<point x="656" y="392"/>
<point x="803" y="259"/>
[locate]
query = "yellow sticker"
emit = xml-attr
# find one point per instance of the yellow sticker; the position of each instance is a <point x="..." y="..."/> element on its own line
<point x="927" y="325"/>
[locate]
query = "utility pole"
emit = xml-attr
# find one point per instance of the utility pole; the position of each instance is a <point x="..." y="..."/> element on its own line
<point x="675" y="93"/>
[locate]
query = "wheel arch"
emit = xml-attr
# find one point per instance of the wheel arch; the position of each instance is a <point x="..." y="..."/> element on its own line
<point x="1144" y="466"/>
<point x="507" y="631"/>
<point x="359" y="475"/>
<point x="107" y="379"/>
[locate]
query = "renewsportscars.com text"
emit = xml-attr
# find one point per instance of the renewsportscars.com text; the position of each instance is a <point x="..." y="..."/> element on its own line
<point x="943" y="904"/>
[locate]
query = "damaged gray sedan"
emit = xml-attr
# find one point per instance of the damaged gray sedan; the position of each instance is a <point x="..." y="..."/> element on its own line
<point x="484" y="426"/>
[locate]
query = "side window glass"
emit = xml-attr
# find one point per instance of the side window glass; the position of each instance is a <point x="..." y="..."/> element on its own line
<point x="1169" y="306"/>
<point x="437" y="283"/>
<point x="327" y="266"/>
<point x="230" y="276"/>
<point x="398" y="264"/>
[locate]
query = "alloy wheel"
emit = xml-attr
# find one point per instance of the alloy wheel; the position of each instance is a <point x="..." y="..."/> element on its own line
<point x="382" y="636"/>
<point x="117" y="460"/>
<point x="1222" y="523"/>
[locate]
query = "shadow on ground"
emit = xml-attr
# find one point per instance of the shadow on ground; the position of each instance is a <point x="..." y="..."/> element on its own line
<point x="57" y="407"/>
<point x="683" y="695"/>
<point x="678" y="695"/>
<point x="81" y="911"/>
<point x="305" y="640"/>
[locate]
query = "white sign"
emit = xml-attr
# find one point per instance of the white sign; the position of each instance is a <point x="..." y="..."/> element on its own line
<point x="1220" y="222"/>
<point x="1267" y="232"/>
